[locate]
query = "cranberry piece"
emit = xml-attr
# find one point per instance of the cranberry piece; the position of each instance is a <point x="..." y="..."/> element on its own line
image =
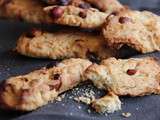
<point x="82" y="14"/>
<point x="57" y="12"/>
<point x="123" y="20"/>
<point x="131" y="71"/>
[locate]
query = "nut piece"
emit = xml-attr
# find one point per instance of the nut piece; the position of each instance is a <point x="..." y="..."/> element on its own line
<point x="131" y="71"/>
<point x="82" y="14"/>
<point x="123" y="20"/>
<point x="56" y="12"/>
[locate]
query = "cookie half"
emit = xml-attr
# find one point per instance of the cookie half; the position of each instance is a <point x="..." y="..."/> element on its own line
<point x="102" y="5"/>
<point x="74" y="16"/>
<point x="129" y="77"/>
<point x="64" y="44"/>
<point x="139" y="30"/>
<point x="31" y="91"/>
<point x="24" y="10"/>
<point x="133" y="77"/>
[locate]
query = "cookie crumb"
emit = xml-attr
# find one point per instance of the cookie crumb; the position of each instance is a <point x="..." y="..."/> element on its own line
<point x="127" y="114"/>
<point x="79" y="107"/>
<point x="83" y="99"/>
<point x="59" y="99"/>
<point x="89" y="111"/>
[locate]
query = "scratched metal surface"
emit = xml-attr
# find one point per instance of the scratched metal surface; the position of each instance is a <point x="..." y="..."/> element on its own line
<point x="142" y="108"/>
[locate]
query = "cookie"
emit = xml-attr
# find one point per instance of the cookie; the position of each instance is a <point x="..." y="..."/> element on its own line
<point x="79" y="13"/>
<point x="109" y="103"/>
<point x="74" y="16"/>
<point x="31" y="91"/>
<point x="139" y="30"/>
<point x="106" y="5"/>
<point x="128" y="77"/>
<point x="102" y="5"/>
<point x="64" y="44"/>
<point x="24" y="10"/>
<point x="77" y="3"/>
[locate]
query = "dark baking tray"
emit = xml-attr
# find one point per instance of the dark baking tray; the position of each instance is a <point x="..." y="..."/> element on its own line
<point x="142" y="108"/>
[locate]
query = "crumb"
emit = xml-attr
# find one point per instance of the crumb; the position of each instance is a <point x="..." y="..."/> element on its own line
<point x="70" y="97"/>
<point x="71" y="113"/>
<point x="127" y="114"/>
<point x="59" y="99"/>
<point x="79" y="107"/>
<point x="89" y="111"/>
<point x="83" y="99"/>
<point x="63" y="96"/>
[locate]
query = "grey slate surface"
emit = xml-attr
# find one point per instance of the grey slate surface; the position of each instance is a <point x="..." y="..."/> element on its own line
<point x="142" y="108"/>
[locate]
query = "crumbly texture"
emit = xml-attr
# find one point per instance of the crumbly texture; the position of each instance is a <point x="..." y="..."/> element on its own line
<point x="67" y="44"/>
<point x="139" y="30"/>
<point x="106" y="5"/>
<point x="31" y="91"/>
<point x="24" y="10"/>
<point x="133" y="77"/>
<point x="79" y="17"/>
<point x="102" y="5"/>
<point x="109" y="103"/>
<point x="32" y="11"/>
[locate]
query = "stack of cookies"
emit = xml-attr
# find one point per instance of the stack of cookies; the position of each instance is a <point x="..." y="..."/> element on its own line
<point x="89" y="51"/>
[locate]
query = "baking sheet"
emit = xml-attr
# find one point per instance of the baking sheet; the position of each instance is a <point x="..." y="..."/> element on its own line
<point x="141" y="108"/>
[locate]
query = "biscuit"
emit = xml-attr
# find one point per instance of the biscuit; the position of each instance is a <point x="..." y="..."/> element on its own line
<point x="129" y="77"/>
<point x="24" y="10"/>
<point x="74" y="16"/>
<point x="64" y="44"/>
<point x="31" y="91"/>
<point x="139" y="30"/>
<point x="79" y="13"/>
<point x="102" y="5"/>
<point x="106" y="5"/>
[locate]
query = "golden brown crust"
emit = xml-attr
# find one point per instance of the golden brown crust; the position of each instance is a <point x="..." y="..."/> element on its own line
<point x="63" y="44"/>
<point x="102" y="5"/>
<point x="31" y="91"/>
<point x="133" y="77"/>
<point x="79" y="17"/>
<point x="27" y="10"/>
<point x="139" y="30"/>
<point x="106" y="5"/>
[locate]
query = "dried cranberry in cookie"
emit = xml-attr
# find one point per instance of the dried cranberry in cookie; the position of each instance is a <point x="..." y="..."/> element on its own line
<point x="131" y="71"/>
<point x="83" y="14"/>
<point x="56" y="12"/>
<point x="123" y="20"/>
